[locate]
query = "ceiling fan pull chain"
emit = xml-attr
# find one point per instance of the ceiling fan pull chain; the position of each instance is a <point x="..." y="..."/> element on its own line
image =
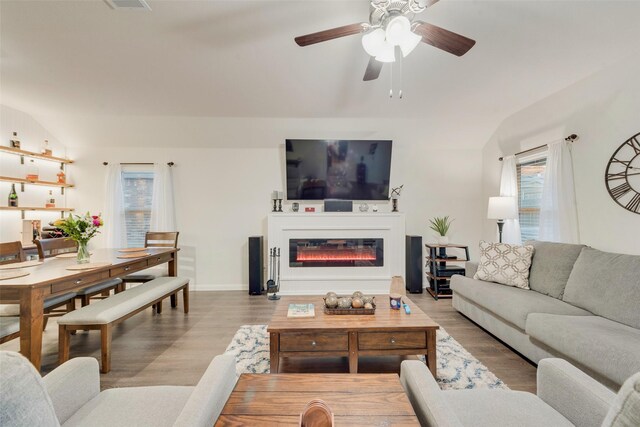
<point x="400" y="77"/>
<point x="391" y="81"/>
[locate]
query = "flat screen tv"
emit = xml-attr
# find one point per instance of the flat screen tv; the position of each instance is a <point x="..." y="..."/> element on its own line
<point x="319" y="169"/>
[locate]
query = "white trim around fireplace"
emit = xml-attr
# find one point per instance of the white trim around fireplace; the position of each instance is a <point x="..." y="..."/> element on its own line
<point x="337" y="225"/>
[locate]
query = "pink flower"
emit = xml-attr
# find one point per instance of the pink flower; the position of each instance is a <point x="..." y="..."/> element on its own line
<point x="96" y="222"/>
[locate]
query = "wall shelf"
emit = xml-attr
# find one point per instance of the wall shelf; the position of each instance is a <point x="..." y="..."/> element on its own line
<point x="34" y="155"/>
<point x="23" y="209"/>
<point x="23" y="181"/>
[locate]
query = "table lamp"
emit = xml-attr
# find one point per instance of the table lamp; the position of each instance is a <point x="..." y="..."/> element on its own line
<point x="502" y="208"/>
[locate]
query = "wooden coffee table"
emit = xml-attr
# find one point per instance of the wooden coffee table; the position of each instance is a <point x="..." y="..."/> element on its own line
<point x="356" y="400"/>
<point x="387" y="332"/>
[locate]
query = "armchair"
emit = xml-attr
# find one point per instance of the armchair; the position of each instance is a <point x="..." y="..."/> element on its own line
<point x="70" y="396"/>
<point x="566" y="397"/>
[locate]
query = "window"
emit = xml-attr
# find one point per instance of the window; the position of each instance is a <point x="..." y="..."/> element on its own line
<point x="530" y="181"/>
<point x="138" y="188"/>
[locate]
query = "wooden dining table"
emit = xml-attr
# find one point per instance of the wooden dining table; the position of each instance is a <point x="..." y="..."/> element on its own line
<point x="52" y="278"/>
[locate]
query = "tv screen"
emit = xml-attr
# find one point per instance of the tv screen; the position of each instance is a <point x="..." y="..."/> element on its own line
<point x="320" y="169"/>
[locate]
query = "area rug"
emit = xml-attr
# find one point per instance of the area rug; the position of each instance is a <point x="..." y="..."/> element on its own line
<point x="457" y="368"/>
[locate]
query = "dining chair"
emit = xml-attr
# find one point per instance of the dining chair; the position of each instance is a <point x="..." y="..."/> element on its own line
<point x="155" y="239"/>
<point x="48" y="248"/>
<point x="12" y="252"/>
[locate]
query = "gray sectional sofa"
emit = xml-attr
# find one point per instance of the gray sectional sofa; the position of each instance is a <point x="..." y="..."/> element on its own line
<point x="583" y="306"/>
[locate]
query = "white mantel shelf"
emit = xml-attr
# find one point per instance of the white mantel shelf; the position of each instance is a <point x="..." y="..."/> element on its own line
<point x="389" y="226"/>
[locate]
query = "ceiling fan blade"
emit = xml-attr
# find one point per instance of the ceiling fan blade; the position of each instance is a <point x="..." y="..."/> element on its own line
<point x="373" y="69"/>
<point x="334" y="33"/>
<point x="443" y="39"/>
<point x="430" y="3"/>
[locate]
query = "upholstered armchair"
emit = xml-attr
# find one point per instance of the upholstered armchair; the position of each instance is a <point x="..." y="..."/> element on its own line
<point x="566" y="397"/>
<point x="70" y="396"/>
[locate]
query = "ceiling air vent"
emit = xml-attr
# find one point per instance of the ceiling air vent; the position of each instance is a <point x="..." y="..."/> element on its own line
<point x="128" y="4"/>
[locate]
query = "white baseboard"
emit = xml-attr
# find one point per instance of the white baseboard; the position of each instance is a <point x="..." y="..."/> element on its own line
<point x="220" y="287"/>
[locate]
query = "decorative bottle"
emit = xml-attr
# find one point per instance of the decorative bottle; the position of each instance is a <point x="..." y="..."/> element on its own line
<point x="62" y="178"/>
<point x="45" y="148"/>
<point x="13" y="197"/>
<point x="32" y="171"/>
<point x="15" y="142"/>
<point x="51" y="202"/>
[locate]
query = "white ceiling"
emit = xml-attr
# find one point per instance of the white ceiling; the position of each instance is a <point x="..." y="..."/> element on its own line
<point x="238" y="58"/>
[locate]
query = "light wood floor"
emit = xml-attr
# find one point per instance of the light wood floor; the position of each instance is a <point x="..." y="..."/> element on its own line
<point x="175" y="349"/>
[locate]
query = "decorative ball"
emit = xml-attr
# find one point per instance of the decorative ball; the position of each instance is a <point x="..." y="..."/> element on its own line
<point x="331" y="301"/>
<point x="368" y="305"/>
<point x="357" y="294"/>
<point x="357" y="303"/>
<point x="368" y="299"/>
<point x="344" y="302"/>
<point x="331" y="294"/>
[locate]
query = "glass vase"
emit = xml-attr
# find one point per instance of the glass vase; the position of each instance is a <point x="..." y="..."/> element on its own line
<point x="83" y="253"/>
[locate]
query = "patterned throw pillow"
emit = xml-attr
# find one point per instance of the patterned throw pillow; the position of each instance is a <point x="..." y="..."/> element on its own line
<point x="505" y="264"/>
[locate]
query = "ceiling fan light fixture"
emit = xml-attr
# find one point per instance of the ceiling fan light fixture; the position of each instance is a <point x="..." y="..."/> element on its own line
<point x="387" y="53"/>
<point x="373" y="41"/>
<point x="409" y="43"/>
<point x="397" y="30"/>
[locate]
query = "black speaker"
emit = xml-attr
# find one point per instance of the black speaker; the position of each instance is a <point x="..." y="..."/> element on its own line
<point x="331" y="205"/>
<point x="256" y="265"/>
<point x="413" y="260"/>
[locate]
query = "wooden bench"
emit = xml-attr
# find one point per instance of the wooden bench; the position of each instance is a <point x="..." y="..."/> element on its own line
<point x="105" y="313"/>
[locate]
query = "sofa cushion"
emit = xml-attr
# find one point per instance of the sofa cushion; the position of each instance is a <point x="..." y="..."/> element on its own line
<point x="505" y="264"/>
<point x="607" y="348"/>
<point x="551" y="266"/>
<point x="625" y="412"/>
<point x="23" y="398"/>
<point x="511" y="304"/>
<point x="502" y="408"/>
<point x="133" y="406"/>
<point x="606" y="284"/>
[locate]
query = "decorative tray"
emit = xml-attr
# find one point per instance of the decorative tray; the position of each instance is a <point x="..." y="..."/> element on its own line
<point x="351" y="310"/>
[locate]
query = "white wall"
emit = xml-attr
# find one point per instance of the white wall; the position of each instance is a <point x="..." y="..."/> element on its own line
<point x="31" y="135"/>
<point x="223" y="194"/>
<point x="603" y="111"/>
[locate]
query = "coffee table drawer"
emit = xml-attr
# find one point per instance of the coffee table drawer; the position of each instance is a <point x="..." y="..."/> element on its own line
<point x="391" y="340"/>
<point x="307" y="341"/>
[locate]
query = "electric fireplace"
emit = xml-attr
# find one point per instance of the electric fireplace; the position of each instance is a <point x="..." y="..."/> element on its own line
<point x="357" y="252"/>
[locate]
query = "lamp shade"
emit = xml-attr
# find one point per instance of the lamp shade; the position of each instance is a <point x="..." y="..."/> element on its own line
<point x="410" y="41"/>
<point x="387" y="53"/>
<point x="502" y="208"/>
<point x="372" y="42"/>
<point x="397" y="29"/>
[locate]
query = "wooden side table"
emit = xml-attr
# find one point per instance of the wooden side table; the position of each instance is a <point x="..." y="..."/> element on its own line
<point x="437" y="260"/>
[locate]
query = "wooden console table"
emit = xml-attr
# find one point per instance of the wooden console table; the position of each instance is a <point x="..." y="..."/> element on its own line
<point x="278" y="400"/>
<point x="52" y="278"/>
<point x="387" y="332"/>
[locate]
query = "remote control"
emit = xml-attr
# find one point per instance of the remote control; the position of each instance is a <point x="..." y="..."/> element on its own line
<point x="406" y="309"/>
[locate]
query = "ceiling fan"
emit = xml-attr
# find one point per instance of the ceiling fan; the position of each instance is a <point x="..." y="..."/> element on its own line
<point x="392" y="26"/>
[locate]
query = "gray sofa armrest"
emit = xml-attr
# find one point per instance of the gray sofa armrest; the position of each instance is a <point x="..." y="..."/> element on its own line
<point x="470" y="268"/>
<point x="577" y="396"/>
<point x="72" y="384"/>
<point x="425" y="396"/>
<point x="211" y="393"/>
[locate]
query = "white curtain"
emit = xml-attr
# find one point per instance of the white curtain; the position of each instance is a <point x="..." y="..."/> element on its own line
<point x="163" y="214"/>
<point x="558" y="213"/>
<point x="509" y="187"/>
<point x="113" y="213"/>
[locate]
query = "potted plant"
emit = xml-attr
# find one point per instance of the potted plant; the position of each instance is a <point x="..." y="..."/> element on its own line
<point x="441" y="226"/>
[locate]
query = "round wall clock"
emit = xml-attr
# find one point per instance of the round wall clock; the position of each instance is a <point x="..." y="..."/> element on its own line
<point x="623" y="175"/>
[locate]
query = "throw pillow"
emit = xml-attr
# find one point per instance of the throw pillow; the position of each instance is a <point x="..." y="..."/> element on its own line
<point x="625" y="411"/>
<point x="505" y="264"/>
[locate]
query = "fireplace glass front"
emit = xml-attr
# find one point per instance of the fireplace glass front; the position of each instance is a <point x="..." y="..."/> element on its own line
<point x="336" y="252"/>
